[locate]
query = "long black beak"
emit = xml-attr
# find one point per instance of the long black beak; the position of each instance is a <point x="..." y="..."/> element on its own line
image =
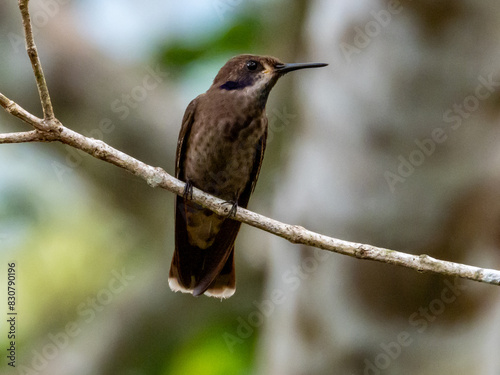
<point x="285" y="68"/>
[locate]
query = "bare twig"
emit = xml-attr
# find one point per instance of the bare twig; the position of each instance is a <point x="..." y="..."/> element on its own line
<point x="23" y="137"/>
<point x="50" y="129"/>
<point x="16" y="110"/>
<point x="43" y="91"/>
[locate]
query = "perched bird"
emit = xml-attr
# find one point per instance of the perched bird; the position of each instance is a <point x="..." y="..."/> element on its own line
<point x="220" y="150"/>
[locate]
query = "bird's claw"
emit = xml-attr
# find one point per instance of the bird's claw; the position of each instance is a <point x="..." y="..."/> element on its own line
<point x="188" y="190"/>
<point x="233" y="209"/>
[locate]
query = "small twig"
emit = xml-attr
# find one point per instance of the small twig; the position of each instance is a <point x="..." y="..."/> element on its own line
<point x="30" y="136"/>
<point x="43" y="91"/>
<point x="15" y="109"/>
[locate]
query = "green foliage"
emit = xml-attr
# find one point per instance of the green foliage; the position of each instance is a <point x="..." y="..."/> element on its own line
<point x="207" y="353"/>
<point x="243" y="35"/>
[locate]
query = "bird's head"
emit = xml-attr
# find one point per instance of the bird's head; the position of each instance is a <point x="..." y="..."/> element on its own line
<point x="254" y="75"/>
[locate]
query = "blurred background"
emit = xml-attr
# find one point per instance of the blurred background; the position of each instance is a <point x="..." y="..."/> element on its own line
<point x="395" y="144"/>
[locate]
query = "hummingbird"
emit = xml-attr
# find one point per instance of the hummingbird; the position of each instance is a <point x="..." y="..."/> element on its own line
<point x="220" y="151"/>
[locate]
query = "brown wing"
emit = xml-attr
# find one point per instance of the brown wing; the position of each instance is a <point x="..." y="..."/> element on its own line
<point x="191" y="264"/>
<point x="259" y="157"/>
<point x="187" y="123"/>
<point x="180" y="269"/>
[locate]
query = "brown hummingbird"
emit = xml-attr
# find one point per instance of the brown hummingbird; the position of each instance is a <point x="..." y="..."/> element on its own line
<point x="220" y="150"/>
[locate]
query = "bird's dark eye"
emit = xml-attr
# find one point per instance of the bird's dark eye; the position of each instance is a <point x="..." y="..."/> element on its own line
<point x="252" y="65"/>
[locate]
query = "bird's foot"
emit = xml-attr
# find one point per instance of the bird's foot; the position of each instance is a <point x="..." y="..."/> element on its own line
<point x="234" y="208"/>
<point x="188" y="190"/>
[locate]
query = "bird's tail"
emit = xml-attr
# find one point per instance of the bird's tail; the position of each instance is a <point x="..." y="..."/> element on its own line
<point x="188" y="280"/>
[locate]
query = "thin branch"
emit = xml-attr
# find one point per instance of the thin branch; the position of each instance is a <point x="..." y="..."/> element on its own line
<point x="23" y="137"/>
<point x="16" y="110"/>
<point x="53" y="130"/>
<point x="157" y="177"/>
<point x="43" y="91"/>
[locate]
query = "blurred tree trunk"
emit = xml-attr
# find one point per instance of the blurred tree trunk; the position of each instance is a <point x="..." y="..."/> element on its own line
<point x="398" y="147"/>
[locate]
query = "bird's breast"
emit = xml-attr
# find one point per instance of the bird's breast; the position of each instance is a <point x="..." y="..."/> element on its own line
<point x="221" y="152"/>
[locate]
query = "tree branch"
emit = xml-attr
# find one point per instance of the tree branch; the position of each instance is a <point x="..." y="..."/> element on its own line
<point x="16" y="110"/>
<point x="23" y="137"/>
<point x="43" y="91"/>
<point x="50" y="129"/>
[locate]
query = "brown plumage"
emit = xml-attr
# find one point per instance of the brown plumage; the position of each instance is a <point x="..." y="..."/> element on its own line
<point x="220" y="150"/>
